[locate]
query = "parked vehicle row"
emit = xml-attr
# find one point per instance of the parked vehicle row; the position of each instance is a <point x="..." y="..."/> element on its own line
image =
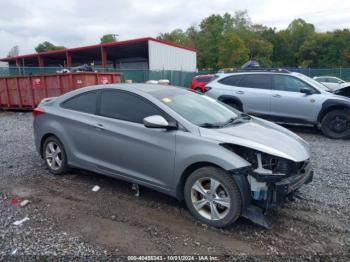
<point x="221" y="162"/>
<point x="286" y="97"/>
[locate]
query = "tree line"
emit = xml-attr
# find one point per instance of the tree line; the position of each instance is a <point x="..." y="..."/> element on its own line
<point x="48" y="46"/>
<point x="226" y="41"/>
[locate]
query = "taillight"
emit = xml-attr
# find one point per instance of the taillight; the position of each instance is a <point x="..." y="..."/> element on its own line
<point x="38" y="111"/>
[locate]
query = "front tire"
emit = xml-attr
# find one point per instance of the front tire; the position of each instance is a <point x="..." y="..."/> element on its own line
<point x="213" y="197"/>
<point x="336" y="124"/>
<point x="55" y="156"/>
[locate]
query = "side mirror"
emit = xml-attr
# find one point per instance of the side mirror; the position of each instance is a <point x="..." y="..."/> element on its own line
<point x="340" y="82"/>
<point x="306" y="91"/>
<point x="155" y="121"/>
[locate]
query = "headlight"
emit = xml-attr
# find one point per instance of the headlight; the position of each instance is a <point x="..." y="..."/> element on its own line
<point x="262" y="163"/>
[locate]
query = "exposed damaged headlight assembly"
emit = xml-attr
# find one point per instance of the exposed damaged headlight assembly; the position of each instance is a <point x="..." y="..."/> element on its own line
<point x="265" y="169"/>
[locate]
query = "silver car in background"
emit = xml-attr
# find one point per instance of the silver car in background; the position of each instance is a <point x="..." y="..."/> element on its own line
<point x="285" y="97"/>
<point x="223" y="163"/>
<point x="332" y="82"/>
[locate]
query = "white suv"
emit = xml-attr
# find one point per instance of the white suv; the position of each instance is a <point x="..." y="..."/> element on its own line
<point x="286" y="97"/>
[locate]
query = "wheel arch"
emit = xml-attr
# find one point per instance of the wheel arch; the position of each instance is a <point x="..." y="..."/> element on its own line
<point x="227" y="98"/>
<point x="198" y="88"/>
<point x="43" y="139"/>
<point x="186" y="173"/>
<point x="239" y="177"/>
<point x="331" y="105"/>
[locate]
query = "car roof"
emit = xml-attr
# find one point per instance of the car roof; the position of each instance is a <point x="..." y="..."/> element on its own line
<point x="208" y="75"/>
<point x="325" y="77"/>
<point x="222" y="75"/>
<point x="151" y="89"/>
<point x="147" y="88"/>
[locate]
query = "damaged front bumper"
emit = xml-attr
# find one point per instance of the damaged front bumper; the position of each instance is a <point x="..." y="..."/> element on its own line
<point x="288" y="186"/>
<point x="277" y="193"/>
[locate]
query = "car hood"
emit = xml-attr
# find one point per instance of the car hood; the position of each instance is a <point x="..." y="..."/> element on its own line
<point x="346" y="84"/>
<point x="342" y="91"/>
<point x="263" y="136"/>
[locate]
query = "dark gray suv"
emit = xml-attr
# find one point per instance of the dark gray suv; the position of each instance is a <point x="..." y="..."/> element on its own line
<point x="286" y="97"/>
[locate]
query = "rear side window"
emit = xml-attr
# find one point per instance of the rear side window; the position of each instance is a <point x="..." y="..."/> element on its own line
<point x="83" y="103"/>
<point x="256" y="81"/>
<point x="231" y="80"/>
<point x="126" y="106"/>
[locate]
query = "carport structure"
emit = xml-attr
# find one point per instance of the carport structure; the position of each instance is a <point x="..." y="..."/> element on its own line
<point x="142" y="53"/>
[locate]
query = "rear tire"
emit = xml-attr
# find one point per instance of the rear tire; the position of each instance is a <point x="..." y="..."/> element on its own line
<point x="55" y="156"/>
<point x="336" y="124"/>
<point x="213" y="197"/>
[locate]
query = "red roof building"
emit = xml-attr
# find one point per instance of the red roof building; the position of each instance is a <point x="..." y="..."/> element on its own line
<point x="141" y="53"/>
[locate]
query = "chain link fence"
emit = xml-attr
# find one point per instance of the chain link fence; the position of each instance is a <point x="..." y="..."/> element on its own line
<point x="343" y="73"/>
<point x="177" y="78"/>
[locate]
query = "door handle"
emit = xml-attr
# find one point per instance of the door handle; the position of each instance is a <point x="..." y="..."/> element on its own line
<point x="240" y="92"/>
<point x="99" y="126"/>
<point x="277" y="95"/>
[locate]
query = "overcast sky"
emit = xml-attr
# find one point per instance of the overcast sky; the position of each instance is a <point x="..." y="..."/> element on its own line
<point x="75" y="23"/>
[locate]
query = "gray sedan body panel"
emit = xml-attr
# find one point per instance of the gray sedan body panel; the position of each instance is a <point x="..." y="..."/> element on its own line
<point x="132" y="149"/>
<point x="265" y="137"/>
<point x="74" y="129"/>
<point x="192" y="149"/>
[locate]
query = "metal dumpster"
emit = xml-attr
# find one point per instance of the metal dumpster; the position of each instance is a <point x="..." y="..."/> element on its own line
<point x="26" y="92"/>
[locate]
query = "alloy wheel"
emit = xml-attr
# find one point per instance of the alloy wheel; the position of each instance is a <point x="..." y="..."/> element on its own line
<point x="210" y="198"/>
<point x="338" y="124"/>
<point x="53" y="155"/>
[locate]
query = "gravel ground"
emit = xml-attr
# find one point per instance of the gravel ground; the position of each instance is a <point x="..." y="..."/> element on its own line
<point x="68" y="220"/>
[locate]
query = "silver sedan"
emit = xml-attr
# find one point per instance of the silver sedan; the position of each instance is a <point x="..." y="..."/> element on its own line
<point x="221" y="162"/>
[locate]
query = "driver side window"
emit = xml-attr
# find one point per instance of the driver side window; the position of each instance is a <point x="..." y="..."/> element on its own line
<point x="288" y="83"/>
<point x="126" y="106"/>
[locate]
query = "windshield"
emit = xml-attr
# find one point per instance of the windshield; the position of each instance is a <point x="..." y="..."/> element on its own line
<point x="199" y="109"/>
<point x="313" y="82"/>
